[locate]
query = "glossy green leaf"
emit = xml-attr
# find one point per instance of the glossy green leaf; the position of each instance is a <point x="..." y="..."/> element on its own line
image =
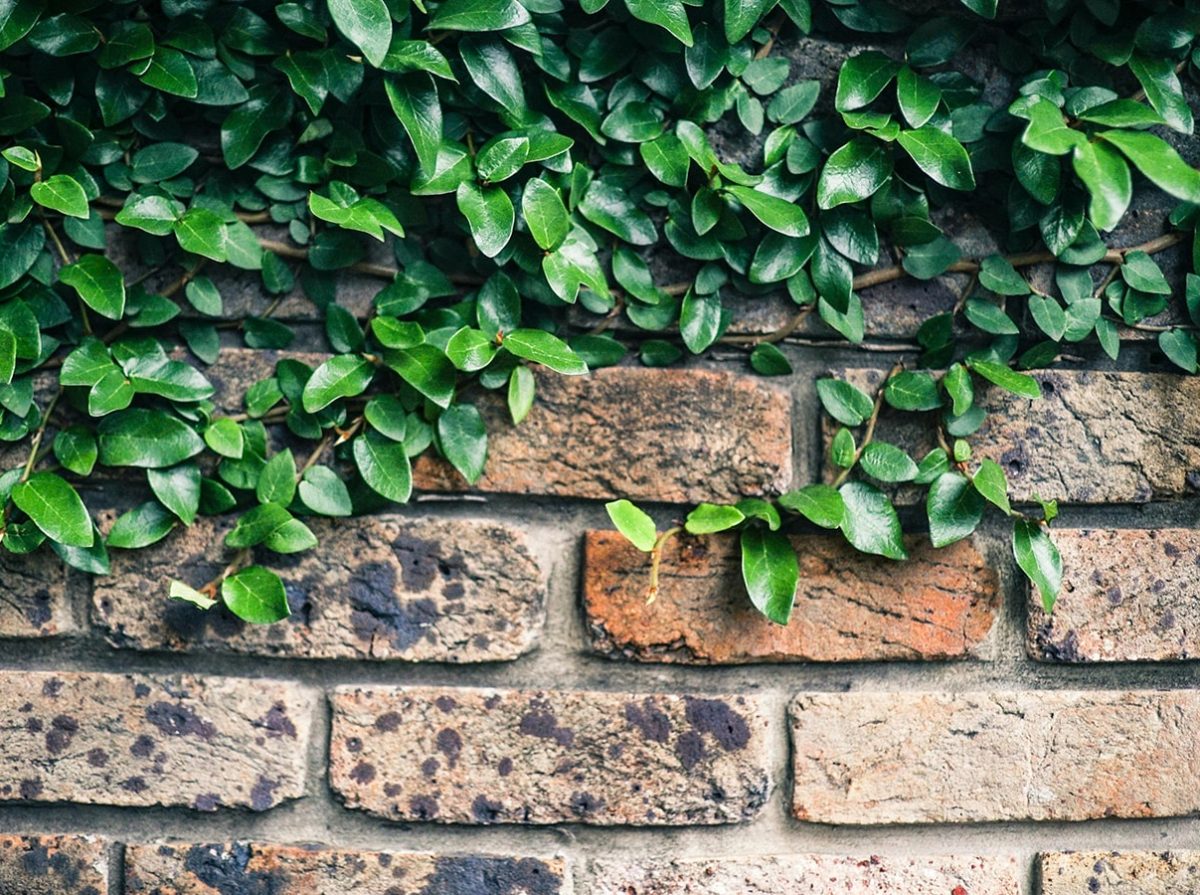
<point x="54" y="506"/>
<point x="633" y="523"/>
<point x="770" y="571"/>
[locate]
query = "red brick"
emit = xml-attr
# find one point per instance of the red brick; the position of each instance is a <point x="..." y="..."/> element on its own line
<point x="849" y="607"/>
<point x="114" y="739"/>
<point x="240" y="867"/>
<point x="376" y="587"/>
<point x="53" y="865"/>
<point x="542" y="757"/>
<point x="33" y="596"/>
<point x="1116" y="873"/>
<point x="1127" y="596"/>
<point x="896" y="758"/>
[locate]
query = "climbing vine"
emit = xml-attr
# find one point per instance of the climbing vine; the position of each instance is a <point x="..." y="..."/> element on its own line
<point x="528" y="165"/>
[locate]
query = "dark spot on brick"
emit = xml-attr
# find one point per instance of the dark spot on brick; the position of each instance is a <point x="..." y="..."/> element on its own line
<point x="453" y="591"/>
<point x="143" y="746"/>
<point x="505" y="767"/>
<point x="37" y="611"/>
<point x="1064" y="650"/>
<point x="450" y="744"/>
<point x="492" y="701"/>
<point x="135" y="785"/>
<point x="52" y="687"/>
<point x="176" y="720"/>
<point x="1093" y="884"/>
<point x="421" y="562"/>
<point x="1014" y="461"/>
<point x="363" y="773"/>
<point x="62" y="730"/>
<point x="423" y="807"/>
<point x="388" y="722"/>
<point x="491" y="876"/>
<point x="375" y="611"/>
<point x="716" y="718"/>
<point x="1167" y="621"/>
<point x="207" y="802"/>
<point x="649" y="719"/>
<point x="262" y="796"/>
<point x="30" y="789"/>
<point x="141" y="691"/>
<point x="391" y="790"/>
<point x="1171" y="550"/>
<point x="445" y="704"/>
<point x="485" y="811"/>
<point x="33" y="725"/>
<point x="544" y="725"/>
<point x="97" y="758"/>
<point x="430" y="766"/>
<point x="585" y="804"/>
<point x="277" y="722"/>
<point x="224" y="869"/>
<point x="690" y="749"/>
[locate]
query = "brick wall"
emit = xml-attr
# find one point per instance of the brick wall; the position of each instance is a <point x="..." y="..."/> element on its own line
<point x="472" y="696"/>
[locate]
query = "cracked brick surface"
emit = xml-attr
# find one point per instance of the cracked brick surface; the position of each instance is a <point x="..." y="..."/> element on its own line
<point x="1127" y="596"/>
<point x="243" y="868"/>
<point x="809" y="875"/>
<point x="898" y="758"/>
<point x="478" y="756"/>
<point x="114" y="739"/>
<point x="53" y="865"/>
<point x="1094" y="437"/>
<point x="33" y="597"/>
<point x="1116" y="873"/>
<point x="377" y="587"/>
<point x="849" y="607"/>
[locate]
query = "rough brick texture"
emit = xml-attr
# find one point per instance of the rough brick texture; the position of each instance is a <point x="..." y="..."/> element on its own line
<point x="939" y="605"/>
<point x="810" y="875"/>
<point x="1092" y="438"/>
<point x="239" y="868"/>
<point x="53" y="865"/>
<point x="878" y="758"/>
<point x="1127" y="596"/>
<point x="509" y="756"/>
<point x="385" y="587"/>
<point x="601" y="436"/>
<point x="112" y="739"/>
<point x="33" y="597"/>
<point x="1114" y="873"/>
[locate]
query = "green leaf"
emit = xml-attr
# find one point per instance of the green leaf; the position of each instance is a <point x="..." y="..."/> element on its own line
<point x="427" y="370"/>
<point x="954" y="508"/>
<point x="842" y="450"/>
<point x="844" y="402"/>
<point x="887" y="463"/>
<point x="998" y="275"/>
<point x="1008" y="379"/>
<point x="854" y="172"/>
<point x="708" y="518"/>
<point x="170" y="72"/>
<point x="75" y="448"/>
<point x="323" y="492"/>
<point x="145" y="524"/>
<point x="608" y="206"/>
<point x="780" y="215"/>
<point x="1048" y="132"/>
<point x="544" y="214"/>
<point x="1107" y="178"/>
<point x="384" y="466"/>
<point x="820" y="504"/>
<point x="202" y="232"/>
<point x="666" y="158"/>
<point x="256" y="595"/>
<point x="366" y="24"/>
<point x="742" y="15"/>
<point x="178" y="489"/>
<point x="17" y="18"/>
<point x="55" y="507"/>
<point x="414" y="100"/>
<point x="470" y="350"/>
<point x="162" y="161"/>
<point x="992" y="483"/>
<point x="940" y="156"/>
<point x="489" y="212"/>
<point x="633" y="523"/>
<point x="291" y="537"/>
<point x="870" y="523"/>
<point x="63" y="194"/>
<point x="770" y="571"/>
<point x="546" y="349"/>
<point x="256" y="525"/>
<point x="181" y="591"/>
<point x="1180" y="348"/>
<point x="462" y="436"/>
<point x="862" y="78"/>
<point x="1039" y="559"/>
<point x="478" y="15"/>
<point x="767" y="360"/>
<point x="1160" y="163"/>
<point x="700" y="320"/>
<point x="521" y="390"/>
<point x="918" y="97"/>
<point x="150" y="439"/>
<point x="668" y="14"/>
<point x="99" y="283"/>
<point x="342" y="376"/>
<point x="989" y="317"/>
<point x="1142" y="273"/>
<point x="277" y="481"/>
<point x="912" y="390"/>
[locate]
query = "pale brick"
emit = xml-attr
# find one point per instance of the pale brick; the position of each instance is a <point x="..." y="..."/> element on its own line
<point x="849" y="607"/>
<point x="239" y="868"/>
<point x="895" y="758"/>
<point x="1127" y="596"/>
<point x="113" y="739"/>
<point x="1116" y="873"/>
<point x="33" y="596"/>
<point x="53" y="865"/>
<point x="541" y="757"/>
<point x="376" y="587"/>
<point x="810" y="875"/>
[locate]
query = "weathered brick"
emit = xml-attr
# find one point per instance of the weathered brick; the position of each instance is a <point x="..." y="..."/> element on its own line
<point x="880" y="758"/>
<point x="377" y="587"/>
<point x="53" y="865"/>
<point x="672" y="435"/>
<point x="237" y="369"/>
<point x="1117" y="873"/>
<point x="113" y="739"/>
<point x="1092" y="438"/>
<point x="537" y="757"/>
<point x="810" y="875"/>
<point x="1127" y="596"/>
<point x="33" y="596"/>
<point x="240" y="867"/>
<point x="940" y="604"/>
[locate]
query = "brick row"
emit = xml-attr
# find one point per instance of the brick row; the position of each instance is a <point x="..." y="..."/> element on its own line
<point x="1116" y="873"/>
<point x="33" y="597"/>
<point x="379" y="587"/>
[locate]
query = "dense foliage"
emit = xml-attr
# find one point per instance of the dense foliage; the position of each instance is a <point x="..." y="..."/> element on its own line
<point x="526" y="162"/>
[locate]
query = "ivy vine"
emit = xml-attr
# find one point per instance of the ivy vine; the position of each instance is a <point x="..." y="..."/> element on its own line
<point x="528" y="164"/>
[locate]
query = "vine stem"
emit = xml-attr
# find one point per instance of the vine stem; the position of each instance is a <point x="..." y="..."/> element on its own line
<point x="656" y="561"/>
<point x="872" y="421"/>
<point x="240" y="559"/>
<point x="39" y="435"/>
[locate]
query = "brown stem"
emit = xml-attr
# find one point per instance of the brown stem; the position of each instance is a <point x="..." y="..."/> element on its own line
<point x="774" y="336"/>
<point x="40" y="434"/>
<point x="240" y="559"/>
<point x="656" y="561"/>
<point x="869" y="434"/>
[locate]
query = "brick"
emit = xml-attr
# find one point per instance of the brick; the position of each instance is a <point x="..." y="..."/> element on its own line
<point x="516" y="756"/>
<point x="810" y="875"/>
<point x="941" y="604"/>
<point x="33" y="596"/>
<point x="239" y="867"/>
<point x="1127" y="596"/>
<point x="237" y="369"/>
<point x="679" y="436"/>
<point x="377" y="587"/>
<point x="893" y="758"/>
<point x="1092" y="438"/>
<point x="53" y="865"/>
<point x="1116" y="873"/>
<point x="114" y="739"/>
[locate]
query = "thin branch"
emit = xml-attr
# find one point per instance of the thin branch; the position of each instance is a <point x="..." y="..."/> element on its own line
<point x="869" y="434"/>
